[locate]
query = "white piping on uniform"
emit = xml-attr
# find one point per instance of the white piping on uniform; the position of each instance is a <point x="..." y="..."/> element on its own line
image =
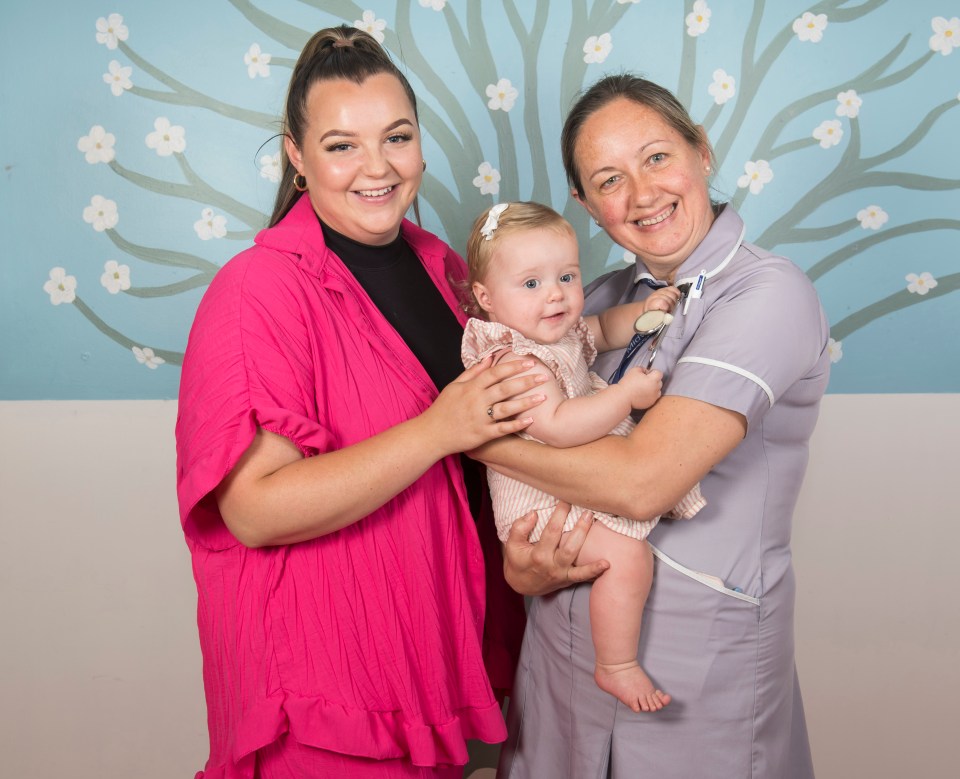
<point x="710" y="274"/>
<point x="722" y="265"/>
<point x="734" y="369"/>
<point x="713" y="582"/>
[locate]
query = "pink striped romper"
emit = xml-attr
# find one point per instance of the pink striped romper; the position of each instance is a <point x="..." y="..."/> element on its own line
<point x="569" y="359"/>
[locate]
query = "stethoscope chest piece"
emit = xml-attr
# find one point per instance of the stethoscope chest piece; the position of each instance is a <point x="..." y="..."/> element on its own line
<point x="652" y="322"/>
<point x="657" y="322"/>
<point x="650" y="327"/>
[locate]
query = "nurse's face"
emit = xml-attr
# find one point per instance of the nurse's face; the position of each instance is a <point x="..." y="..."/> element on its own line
<point x="644" y="184"/>
<point x="360" y="155"/>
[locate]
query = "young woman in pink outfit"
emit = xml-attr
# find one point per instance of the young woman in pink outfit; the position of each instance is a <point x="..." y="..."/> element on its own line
<point x="322" y="412"/>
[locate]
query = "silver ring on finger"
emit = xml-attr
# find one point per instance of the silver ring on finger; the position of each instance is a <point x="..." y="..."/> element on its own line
<point x="490" y="412"/>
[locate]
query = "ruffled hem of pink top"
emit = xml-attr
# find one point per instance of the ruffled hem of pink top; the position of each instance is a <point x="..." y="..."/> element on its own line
<point x="482" y="338"/>
<point x="377" y="735"/>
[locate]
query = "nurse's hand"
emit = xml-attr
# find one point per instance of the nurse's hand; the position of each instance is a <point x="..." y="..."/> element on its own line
<point x="549" y="564"/>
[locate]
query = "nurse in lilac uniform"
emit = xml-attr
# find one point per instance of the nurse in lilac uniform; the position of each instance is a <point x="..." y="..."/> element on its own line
<point x="746" y="366"/>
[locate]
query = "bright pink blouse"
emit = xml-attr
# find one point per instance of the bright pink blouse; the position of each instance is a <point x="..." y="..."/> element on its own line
<point x="366" y="641"/>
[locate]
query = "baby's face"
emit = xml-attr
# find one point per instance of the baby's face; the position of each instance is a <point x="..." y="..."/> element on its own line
<point x="533" y="283"/>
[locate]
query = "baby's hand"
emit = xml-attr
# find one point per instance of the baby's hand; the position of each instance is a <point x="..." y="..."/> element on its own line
<point x="662" y="299"/>
<point x="643" y="386"/>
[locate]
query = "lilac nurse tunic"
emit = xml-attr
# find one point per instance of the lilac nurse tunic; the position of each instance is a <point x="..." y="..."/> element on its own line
<point x="718" y="626"/>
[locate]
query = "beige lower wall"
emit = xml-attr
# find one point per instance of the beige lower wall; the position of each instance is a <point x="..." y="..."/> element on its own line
<point x="876" y="540"/>
<point x="100" y="668"/>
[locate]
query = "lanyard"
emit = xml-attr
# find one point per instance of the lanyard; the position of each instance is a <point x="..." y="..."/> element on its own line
<point x="656" y="333"/>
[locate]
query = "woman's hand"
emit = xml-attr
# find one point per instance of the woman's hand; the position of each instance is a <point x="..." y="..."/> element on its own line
<point x="549" y="564"/>
<point x="482" y="404"/>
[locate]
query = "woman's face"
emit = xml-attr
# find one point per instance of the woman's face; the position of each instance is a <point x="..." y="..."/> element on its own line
<point x="361" y="156"/>
<point x="645" y="184"/>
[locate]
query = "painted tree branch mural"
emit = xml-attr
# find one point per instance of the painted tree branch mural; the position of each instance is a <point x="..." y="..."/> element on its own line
<point x="499" y="139"/>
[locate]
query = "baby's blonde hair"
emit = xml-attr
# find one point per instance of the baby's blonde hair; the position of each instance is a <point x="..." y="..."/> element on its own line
<point x="518" y="216"/>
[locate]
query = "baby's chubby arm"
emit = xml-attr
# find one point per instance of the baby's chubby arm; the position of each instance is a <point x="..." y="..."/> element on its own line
<point x="613" y="328"/>
<point x="562" y="422"/>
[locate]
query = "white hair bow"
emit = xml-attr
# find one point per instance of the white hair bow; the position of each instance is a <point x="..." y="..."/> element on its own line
<point x="493" y="219"/>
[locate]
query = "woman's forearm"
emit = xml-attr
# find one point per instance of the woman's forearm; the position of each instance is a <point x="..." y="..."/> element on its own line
<point x="640" y="476"/>
<point x="275" y="496"/>
<point x="589" y="475"/>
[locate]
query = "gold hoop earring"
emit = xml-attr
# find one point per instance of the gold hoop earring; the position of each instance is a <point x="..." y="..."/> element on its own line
<point x="297" y="185"/>
<point x="424" y="166"/>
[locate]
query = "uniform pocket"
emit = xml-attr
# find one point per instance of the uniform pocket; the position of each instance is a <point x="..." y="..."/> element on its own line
<point x="709" y="580"/>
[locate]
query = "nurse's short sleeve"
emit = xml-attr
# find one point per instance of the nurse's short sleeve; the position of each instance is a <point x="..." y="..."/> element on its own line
<point x="249" y="364"/>
<point x="764" y="333"/>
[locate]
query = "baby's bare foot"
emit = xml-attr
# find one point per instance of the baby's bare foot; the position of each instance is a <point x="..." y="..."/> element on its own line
<point x="628" y="683"/>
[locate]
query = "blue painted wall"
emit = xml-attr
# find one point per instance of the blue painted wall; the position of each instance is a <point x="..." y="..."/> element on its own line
<point x="863" y="194"/>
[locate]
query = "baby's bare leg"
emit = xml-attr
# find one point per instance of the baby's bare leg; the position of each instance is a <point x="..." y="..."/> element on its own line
<point x="616" y="609"/>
